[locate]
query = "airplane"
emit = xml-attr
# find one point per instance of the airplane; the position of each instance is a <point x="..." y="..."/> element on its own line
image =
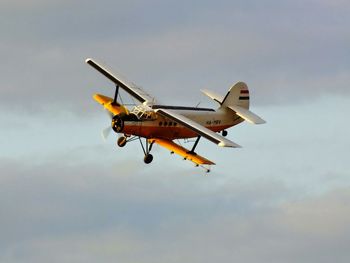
<point x="163" y="124"/>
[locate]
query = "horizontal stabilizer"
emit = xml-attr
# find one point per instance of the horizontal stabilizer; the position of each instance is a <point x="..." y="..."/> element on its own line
<point x="247" y="115"/>
<point x="185" y="153"/>
<point x="214" y="96"/>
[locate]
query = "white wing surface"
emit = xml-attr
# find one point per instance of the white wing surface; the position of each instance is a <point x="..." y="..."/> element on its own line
<point x="247" y="115"/>
<point x="197" y="128"/>
<point x="135" y="91"/>
<point x="214" y="96"/>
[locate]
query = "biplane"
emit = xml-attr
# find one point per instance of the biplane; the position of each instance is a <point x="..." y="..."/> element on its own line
<point x="160" y="124"/>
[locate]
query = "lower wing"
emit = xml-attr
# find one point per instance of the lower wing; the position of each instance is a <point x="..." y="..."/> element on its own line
<point x="185" y="153"/>
<point x="106" y="102"/>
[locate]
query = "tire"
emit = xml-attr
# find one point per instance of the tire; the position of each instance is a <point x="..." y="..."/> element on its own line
<point x="121" y="142"/>
<point x="148" y="158"/>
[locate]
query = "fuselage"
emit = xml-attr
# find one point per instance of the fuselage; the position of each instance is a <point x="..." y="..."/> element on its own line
<point x="162" y="127"/>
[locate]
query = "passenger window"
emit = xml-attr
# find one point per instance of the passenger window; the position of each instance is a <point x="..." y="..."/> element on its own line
<point x="160" y="123"/>
<point x="170" y="123"/>
<point x="165" y="123"/>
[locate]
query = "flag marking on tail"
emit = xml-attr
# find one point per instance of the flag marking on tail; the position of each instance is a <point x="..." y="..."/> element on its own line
<point x="244" y="94"/>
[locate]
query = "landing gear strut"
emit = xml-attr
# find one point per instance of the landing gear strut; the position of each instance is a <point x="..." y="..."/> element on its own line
<point x="148" y="158"/>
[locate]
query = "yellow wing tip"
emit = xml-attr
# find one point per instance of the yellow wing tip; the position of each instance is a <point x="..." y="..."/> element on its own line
<point x="101" y="98"/>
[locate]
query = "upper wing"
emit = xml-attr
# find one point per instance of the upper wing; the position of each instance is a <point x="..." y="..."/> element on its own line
<point x="197" y="128"/>
<point x="135" y="91"/>
<point x="185" y="153"/>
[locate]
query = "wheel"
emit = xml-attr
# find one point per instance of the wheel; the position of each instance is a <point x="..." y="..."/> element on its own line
<point x="121" y="141"/>
<point x="224" y="133"/>
<point x="148" y="158"/>
<point x="117" y="123"/>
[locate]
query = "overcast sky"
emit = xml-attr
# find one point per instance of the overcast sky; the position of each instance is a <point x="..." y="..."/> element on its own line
<point x="67" y="196"/>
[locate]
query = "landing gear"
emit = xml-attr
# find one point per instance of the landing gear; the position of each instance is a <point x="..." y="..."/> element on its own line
<point x="121" y="141"/>
<point x="146" y="150"/>
<point x="224" y="133"/>
<point x="148" y="158"/>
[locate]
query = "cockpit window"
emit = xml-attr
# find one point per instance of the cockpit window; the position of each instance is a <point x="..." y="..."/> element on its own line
<point x="144" y="113"/>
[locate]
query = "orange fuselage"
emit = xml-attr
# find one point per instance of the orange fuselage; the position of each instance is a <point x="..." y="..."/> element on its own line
<point x="167" y="129"/>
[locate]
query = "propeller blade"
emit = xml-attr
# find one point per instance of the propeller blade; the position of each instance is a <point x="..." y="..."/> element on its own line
<point x="110" y="114"/>
<point x="105" y="132"/>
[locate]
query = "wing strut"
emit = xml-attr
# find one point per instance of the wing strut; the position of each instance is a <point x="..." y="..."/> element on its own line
<point x="116" y="95"/>
<point x="195" y="145"/>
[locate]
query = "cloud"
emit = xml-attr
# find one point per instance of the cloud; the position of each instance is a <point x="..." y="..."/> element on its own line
<point x="178" y="49"/>
<point x="87" y="211"/>
<point x="64" y="195"/>
<point x="324" y="216"/>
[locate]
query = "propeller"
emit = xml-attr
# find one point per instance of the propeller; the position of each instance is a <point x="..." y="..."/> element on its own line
<point x="107" y="131"/>
<point x="117" y="123"/>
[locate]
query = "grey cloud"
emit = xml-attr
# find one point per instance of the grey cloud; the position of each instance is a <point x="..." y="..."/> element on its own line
<point x="65" y="195"/>
<point x="87" y="212"/>
<point x="69" y="195"/>
<point x="276" y="48"/>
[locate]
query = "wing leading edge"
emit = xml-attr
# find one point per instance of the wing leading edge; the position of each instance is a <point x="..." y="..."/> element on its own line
<point x="135" y="91"/>
<point x="197" y="128"/>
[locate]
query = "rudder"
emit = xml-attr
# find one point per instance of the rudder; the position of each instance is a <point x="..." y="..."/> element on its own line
<point x="238" y="95"/>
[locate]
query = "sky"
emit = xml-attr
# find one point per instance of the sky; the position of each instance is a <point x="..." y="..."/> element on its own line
<point x="68" y="196"/>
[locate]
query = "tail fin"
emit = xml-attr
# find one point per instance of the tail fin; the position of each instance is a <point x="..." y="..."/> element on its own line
<point x="237" y="100"/>
<point x="238" y="95"/>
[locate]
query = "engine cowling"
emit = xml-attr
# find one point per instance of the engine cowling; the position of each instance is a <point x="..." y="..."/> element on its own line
<point x="118" y="122"/>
